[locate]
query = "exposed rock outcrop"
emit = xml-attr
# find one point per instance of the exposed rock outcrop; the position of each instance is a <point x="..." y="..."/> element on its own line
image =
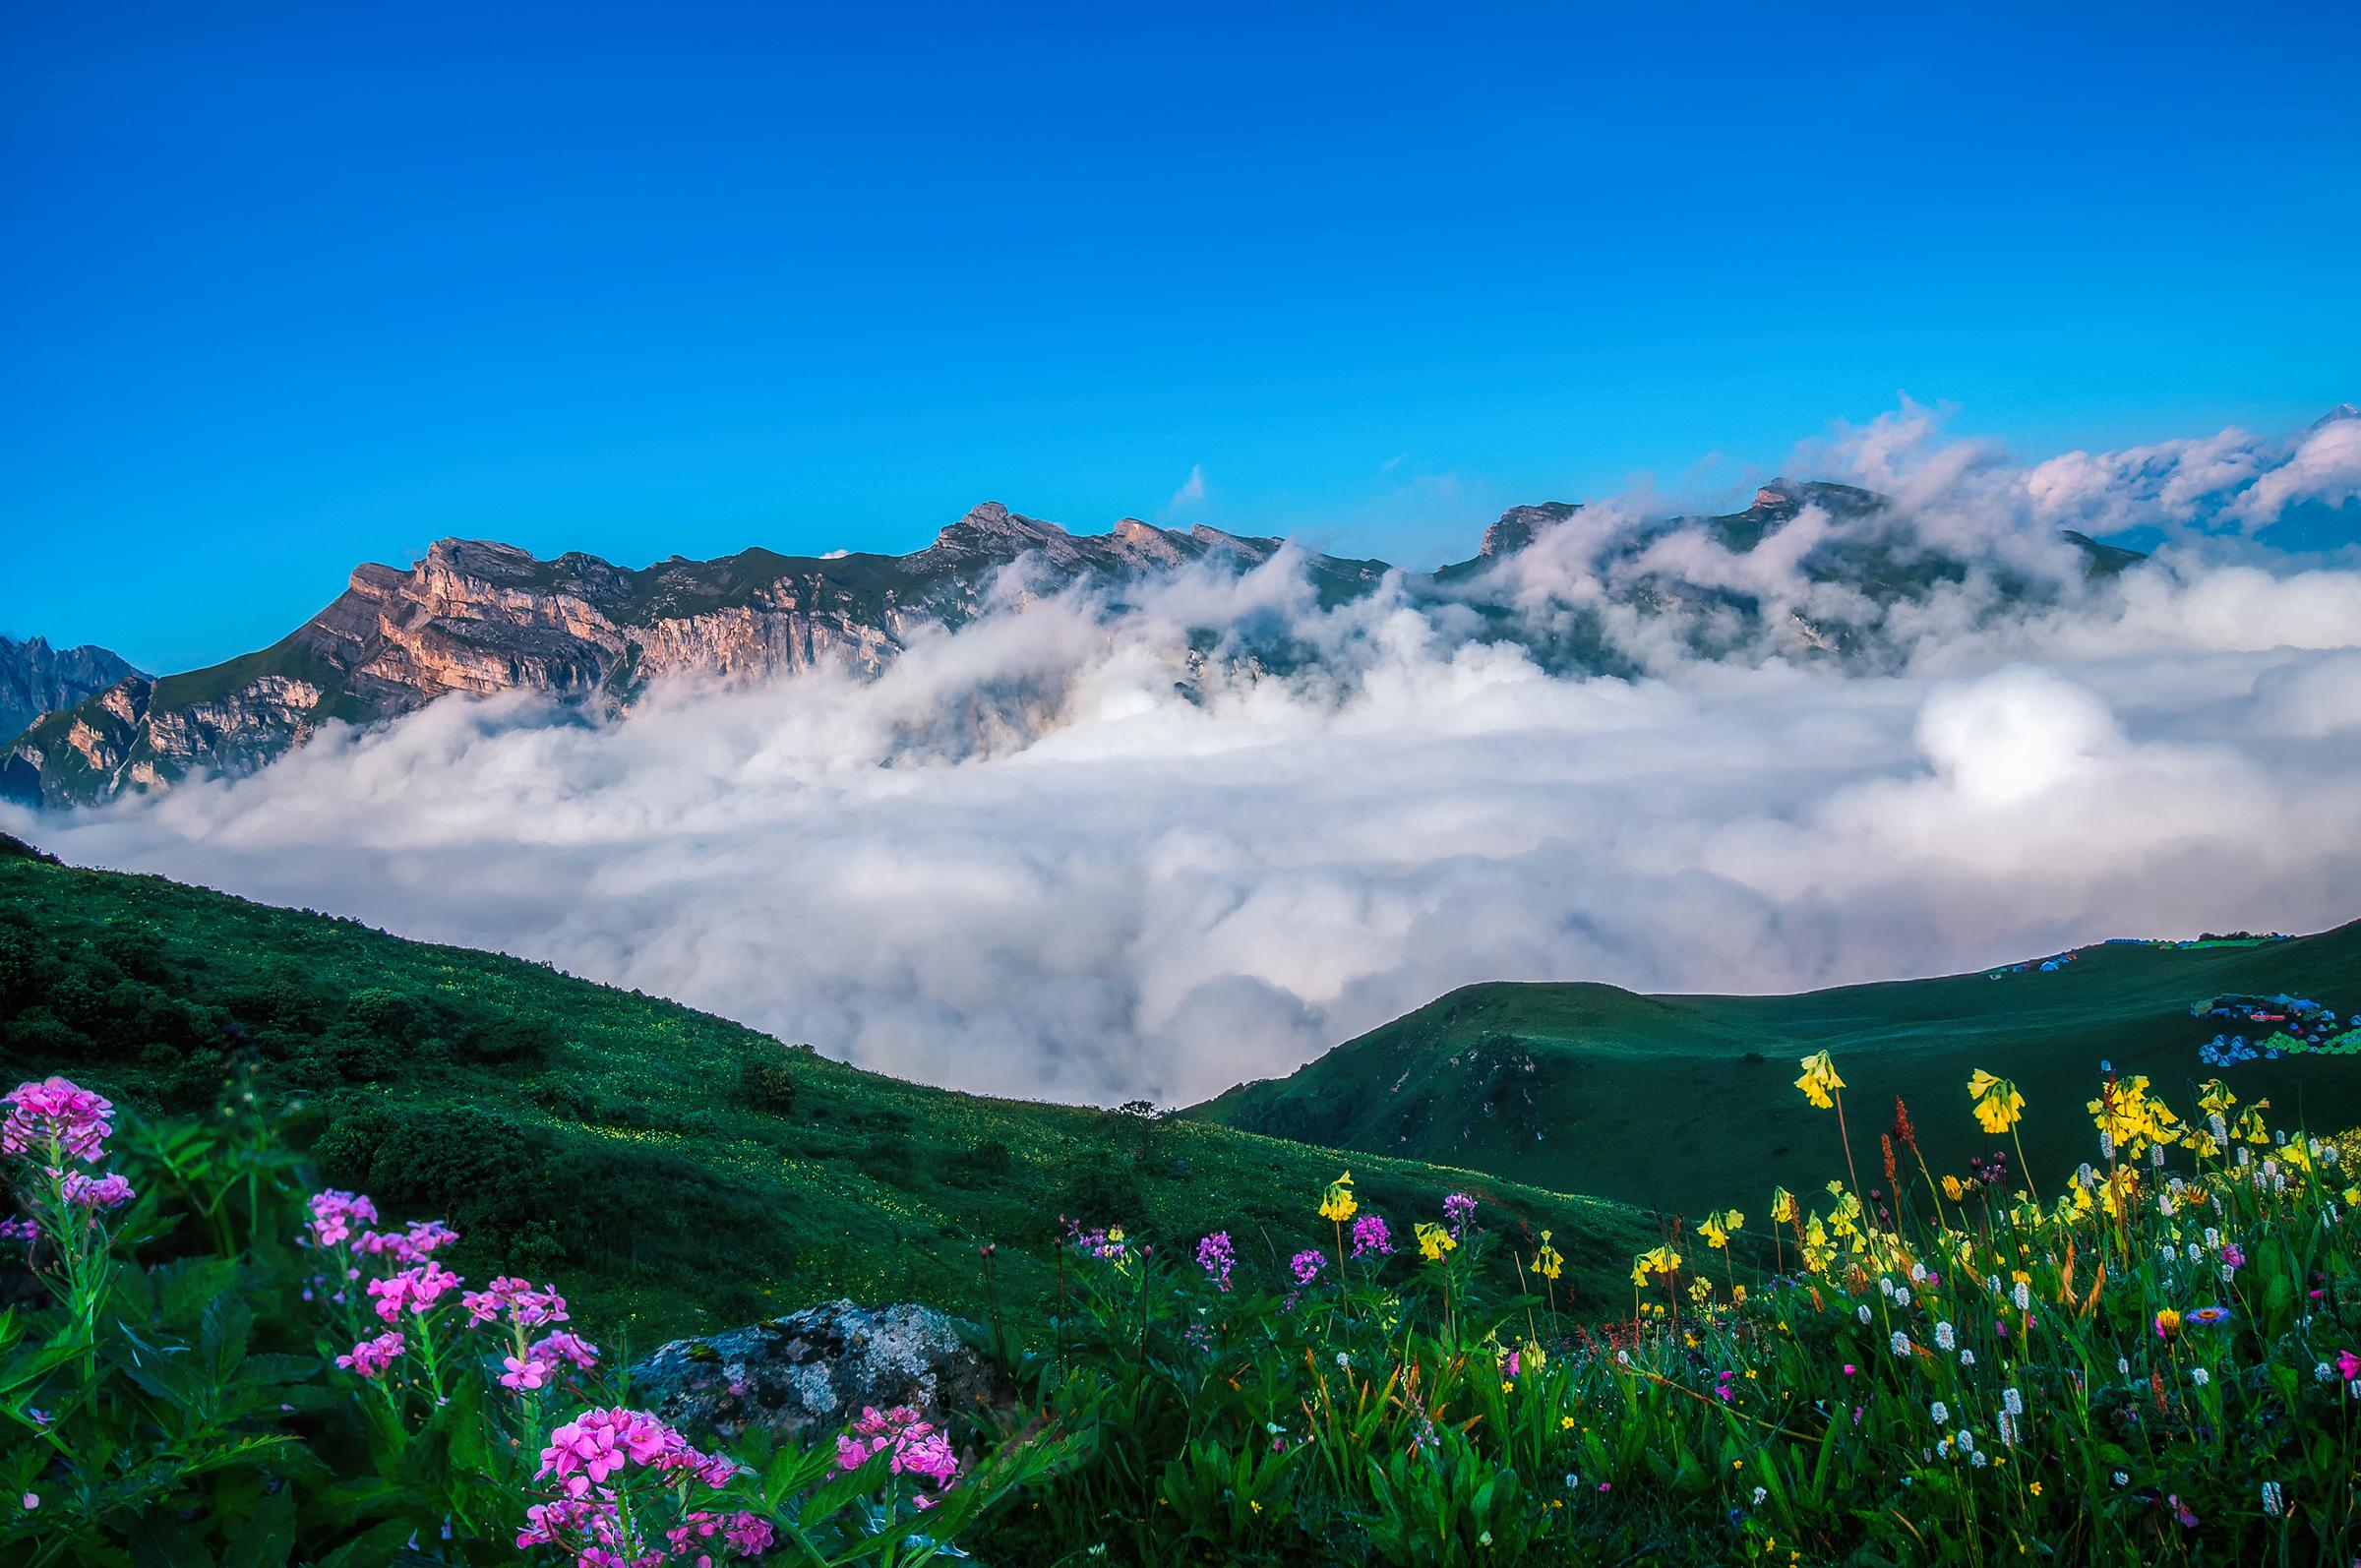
<point x="38" y="678"/>
<point x="804" y="1377"/>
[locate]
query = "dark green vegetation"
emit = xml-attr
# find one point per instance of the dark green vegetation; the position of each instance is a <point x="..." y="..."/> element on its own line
<point x="678" y="1171"/>
<point x="1688" y="1101"/>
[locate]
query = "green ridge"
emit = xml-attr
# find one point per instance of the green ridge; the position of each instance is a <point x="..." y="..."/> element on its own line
<point x="1688" y="1101"/>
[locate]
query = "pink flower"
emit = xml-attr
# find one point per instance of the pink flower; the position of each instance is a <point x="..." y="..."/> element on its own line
<point x="1457" y="1209"/>
<point x="526" y="1307"/>
<point x="530" y="1373"/>
<point x="1214" y="1257"/>
<point x="1308" y="1264"/>
<point x="372" y="1356"/>
<point x="1369" y="1236"/>
<point x="413" y="1289"/>
<point x="334" y="1214"/>
<point x="2348" y="1364"/>
<point x="21" y="1229"/>
<point x="60" y="1112"/>
<point x="1851" y="1370"/>
<point x="918" y="1448"/>
<point x="586" y="1451"/>
<point x="564" y="1347"/>
<point x="110" y="1192"/>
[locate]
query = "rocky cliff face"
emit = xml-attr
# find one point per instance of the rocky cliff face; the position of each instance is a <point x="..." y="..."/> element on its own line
<point x="477" y="618"/>
<point x="38" y="678"/>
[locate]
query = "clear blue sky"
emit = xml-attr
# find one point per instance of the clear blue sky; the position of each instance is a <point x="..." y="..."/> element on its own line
<point x="282" y="288"/>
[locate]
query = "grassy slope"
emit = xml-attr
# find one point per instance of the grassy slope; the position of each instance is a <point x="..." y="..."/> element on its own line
<point x="631" y="1163"/>
<point x="1687" y="1101"/>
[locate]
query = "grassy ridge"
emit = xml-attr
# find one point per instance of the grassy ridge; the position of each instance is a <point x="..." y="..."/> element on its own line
<point x="686" y="1171"/>
<point x="1685" y="1102"/>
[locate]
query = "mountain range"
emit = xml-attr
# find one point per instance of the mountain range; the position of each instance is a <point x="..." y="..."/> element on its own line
<point x="38" y="678"/>
<point x="480" y="618"/>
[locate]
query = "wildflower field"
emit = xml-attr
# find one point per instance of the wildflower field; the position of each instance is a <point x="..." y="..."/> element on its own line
<point x="328" y="1247"/>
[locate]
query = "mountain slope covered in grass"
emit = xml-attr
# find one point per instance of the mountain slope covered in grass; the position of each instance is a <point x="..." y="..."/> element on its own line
<point x="1688" y="1101"/>
<point x="684" y="1172"/>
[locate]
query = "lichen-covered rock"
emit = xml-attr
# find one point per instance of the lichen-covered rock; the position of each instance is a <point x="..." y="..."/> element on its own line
<point x="805" y="1375"/>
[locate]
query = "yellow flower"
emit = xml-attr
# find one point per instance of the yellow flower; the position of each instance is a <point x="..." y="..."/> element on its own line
<point x="1565" y="1424"/>
<point x="2352" y="1197"/>
<point x="1732" y="1219"/>
<point x="1548" y="1262"/>
<point x="1783" y="1206"/>
<point x="1338" y="1205"/>
<point x="2035" y="1488"/>
<point x="1819" y="1078"/>
<point x="1998" y="1105"/>
<point x="2214" y="1098"/>
<point x="1712" y="1234"/>
<point x="1953" y="1188"/>
<point x="1433" y="1241"/>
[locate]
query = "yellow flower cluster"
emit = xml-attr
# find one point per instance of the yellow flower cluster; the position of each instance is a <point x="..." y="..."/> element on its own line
<point x="1715" y="1228"/>
<point x="1998" y="1105"/>
<point x="1656" y="1260"/>
<point x="2129" y="1115"/>
<point x="1339" y="1205"/>
<point x="1548" y="1262"/>
<point x="1433" y="1241"/>
<point x="1819" y="1080"/>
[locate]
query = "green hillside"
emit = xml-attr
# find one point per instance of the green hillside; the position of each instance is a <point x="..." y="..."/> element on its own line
<point x="686" y="1172"/>
<point x="1688" y="1100"/>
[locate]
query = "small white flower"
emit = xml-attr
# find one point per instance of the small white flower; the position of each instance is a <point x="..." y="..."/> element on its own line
<point x="1940" y="1412"/>
<point x="1865" y="1311"/>
<point x="1761" y="1492"/>
<point x="2011" y="1401"/>
<point x="1901" y="1298"/>
<point x="1980" y="1460"/>
<point x="2023" y="1295"/>
<point x="1967" y="1357"/>
<point x="2123" y="1366"/>
<point x="1946" y="1338"/>
<point x="1902" y="1343"/>
<point x="2275" y="1502"/>
<point x="2200" y="1376"/>
<point x="2323" y="1373"/>
<point x="2121" y="1479"/>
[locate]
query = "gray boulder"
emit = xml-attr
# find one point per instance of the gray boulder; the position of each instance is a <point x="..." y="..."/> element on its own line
<point x="804" y="1377"/>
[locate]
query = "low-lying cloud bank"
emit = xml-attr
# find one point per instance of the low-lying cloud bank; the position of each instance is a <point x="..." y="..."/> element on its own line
<point x="1031" y="859"/>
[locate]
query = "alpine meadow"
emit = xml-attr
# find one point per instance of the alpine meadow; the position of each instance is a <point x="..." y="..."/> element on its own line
<point x="1668" y="870"/>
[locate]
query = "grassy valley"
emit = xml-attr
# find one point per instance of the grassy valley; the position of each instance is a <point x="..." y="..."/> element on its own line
<point x="681" y="1171"/>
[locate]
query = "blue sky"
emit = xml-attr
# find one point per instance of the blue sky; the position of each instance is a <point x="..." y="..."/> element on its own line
<point x="281" y="291"/>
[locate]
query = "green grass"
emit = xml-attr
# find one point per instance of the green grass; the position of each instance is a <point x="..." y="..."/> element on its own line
<point x="1687" y="1101"/>
<point x="634" y="1159"/>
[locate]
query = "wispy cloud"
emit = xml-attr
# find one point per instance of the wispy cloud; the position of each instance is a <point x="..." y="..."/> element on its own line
<point x="1192" y="489"/>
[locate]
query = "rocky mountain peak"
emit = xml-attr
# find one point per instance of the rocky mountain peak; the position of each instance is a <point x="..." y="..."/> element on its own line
<point x="1520" y="526"/>
<point x="2340" y="411"/>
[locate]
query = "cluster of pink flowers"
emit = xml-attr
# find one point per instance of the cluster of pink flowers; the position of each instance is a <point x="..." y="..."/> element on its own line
<point x="1369" y="1234"/>
<point x="1306" y="1265"/>
<point x="406" y="1247"/>
<point x="21" y="1229"/>
<point x="588" y="1450"/>
<point x="110" y="1192"/>
<point x="334" y="1214"/>
<point x="918" y="1447"/>
<point x="1216" y="1256"/>
<point x="1457" y="1209"/>
<point x="372" y="1356"/>
<point x="747" y="1534"/>
<point x="57" y="1111"/>
<point x="540" y="1365"/>
<point x="523" y="1306"/>
<point x="412" y="1289"/>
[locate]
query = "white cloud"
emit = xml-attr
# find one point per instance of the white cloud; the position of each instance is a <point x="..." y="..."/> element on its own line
<point x="1023" y="859"/>
<point x="1192" y="489"/>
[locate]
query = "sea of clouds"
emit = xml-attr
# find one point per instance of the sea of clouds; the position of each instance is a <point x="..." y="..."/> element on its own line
<point x="1049" y="855"/>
